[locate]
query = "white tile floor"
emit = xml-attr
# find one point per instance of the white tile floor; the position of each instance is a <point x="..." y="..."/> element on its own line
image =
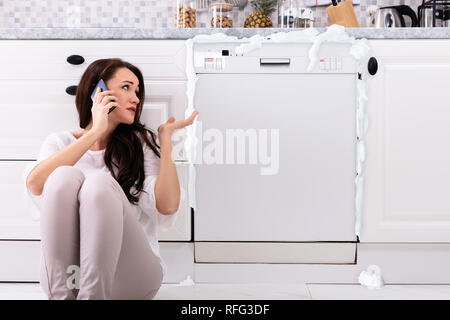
<point x="32" y="291"/>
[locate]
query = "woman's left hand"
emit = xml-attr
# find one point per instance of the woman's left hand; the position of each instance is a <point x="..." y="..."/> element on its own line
<point x="168" y="128"/>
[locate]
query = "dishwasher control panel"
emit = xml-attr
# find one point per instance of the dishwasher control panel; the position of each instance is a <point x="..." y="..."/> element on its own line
<point x="209" y="60"/>
<point x="214" y="63"/>
<point x="330" y="63"/>
<point x="280" y="58"/>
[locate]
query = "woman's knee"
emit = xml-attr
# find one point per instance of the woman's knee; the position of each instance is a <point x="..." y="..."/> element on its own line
<point x="64" y="178"/>
<point x="97" y="186"/>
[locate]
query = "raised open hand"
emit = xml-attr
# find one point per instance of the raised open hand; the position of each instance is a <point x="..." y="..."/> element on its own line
<point x="171" y="125"/>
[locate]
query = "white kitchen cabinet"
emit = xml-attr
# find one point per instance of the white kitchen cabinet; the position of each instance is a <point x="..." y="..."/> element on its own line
<point x="38" y="73"/>
<point x="46" y="59"/>
<point x="407" y="168"/>
<point x="33" y="80"/>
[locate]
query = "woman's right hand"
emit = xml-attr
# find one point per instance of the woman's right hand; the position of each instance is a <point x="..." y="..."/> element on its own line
<point x="100" y="108"/>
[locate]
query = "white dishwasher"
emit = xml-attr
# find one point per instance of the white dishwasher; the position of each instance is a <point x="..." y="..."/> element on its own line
<point x="290" y="197"/>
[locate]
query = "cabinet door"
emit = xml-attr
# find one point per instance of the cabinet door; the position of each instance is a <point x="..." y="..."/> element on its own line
<point x="407" y="175"/>
<point x="15" y="221"/>
<point x="173" y="94"/>
<point x="37" y="71"/>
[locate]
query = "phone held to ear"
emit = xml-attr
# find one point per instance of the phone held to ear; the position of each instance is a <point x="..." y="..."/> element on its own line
<point x="103" y="87"/>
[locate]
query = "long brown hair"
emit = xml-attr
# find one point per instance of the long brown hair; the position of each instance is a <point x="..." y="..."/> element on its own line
<point x="124" y="149"/>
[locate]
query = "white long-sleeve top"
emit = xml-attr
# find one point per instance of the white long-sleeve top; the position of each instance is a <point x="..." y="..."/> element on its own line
<point x="148" y="216"/>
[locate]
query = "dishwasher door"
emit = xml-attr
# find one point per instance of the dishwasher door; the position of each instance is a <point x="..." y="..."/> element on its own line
<point x="312" y="196"/>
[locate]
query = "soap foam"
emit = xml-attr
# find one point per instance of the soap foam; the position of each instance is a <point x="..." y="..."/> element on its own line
<point x="187" y="282"/>
<point x="371" y="277"/>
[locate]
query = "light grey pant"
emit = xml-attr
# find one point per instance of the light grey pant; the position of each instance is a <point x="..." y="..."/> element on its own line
<point x="89" y="222"/>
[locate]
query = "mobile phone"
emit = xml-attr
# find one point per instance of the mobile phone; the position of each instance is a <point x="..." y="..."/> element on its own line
<point x="103" y="87"/>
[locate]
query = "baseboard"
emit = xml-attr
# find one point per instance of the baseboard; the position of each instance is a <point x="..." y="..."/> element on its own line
<point x="275" y="252"/>
<point x="400" y="263"/>
<point x="19" y="260"/>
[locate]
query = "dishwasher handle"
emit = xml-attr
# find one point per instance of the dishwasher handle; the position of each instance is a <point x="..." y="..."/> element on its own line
<point x="275" y="61"/>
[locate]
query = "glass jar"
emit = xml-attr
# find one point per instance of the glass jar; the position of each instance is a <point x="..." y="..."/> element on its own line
<point x="287" y="13"/>
<point x="185" y="14"/>
<point x="305" y="18"/>
<point x="221" y="14"/>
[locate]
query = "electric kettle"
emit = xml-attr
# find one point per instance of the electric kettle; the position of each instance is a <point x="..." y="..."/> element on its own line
<point x="392" y="17"/>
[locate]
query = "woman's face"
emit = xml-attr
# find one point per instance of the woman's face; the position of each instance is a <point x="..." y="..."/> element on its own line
<point x="125" y="87"/>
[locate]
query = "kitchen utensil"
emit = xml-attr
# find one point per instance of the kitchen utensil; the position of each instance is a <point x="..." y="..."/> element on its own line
<point x="392" y="17"/>
<point x="287" y="12"/>
<point x="342" y="14"/>
<point x="433" y="13"/>
<point x="426" y="17"/>
<point x="446" y="18"/>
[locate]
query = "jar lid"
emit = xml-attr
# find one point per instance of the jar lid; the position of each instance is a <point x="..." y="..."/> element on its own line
<point x="222" y="5"/>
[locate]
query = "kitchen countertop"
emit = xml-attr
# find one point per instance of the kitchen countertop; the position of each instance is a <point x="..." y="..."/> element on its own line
<point x="173" y="34"/>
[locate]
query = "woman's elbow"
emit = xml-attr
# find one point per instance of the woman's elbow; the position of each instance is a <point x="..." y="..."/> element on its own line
<point x="167" y="209"/>
<point x="168" y="205"/>
<point x="34" y="188"/>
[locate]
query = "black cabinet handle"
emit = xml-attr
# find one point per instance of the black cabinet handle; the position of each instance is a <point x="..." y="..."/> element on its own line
<point x="71" y="90"/>
<point x="372" y="66"/>
<point x="75" y="59"/>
